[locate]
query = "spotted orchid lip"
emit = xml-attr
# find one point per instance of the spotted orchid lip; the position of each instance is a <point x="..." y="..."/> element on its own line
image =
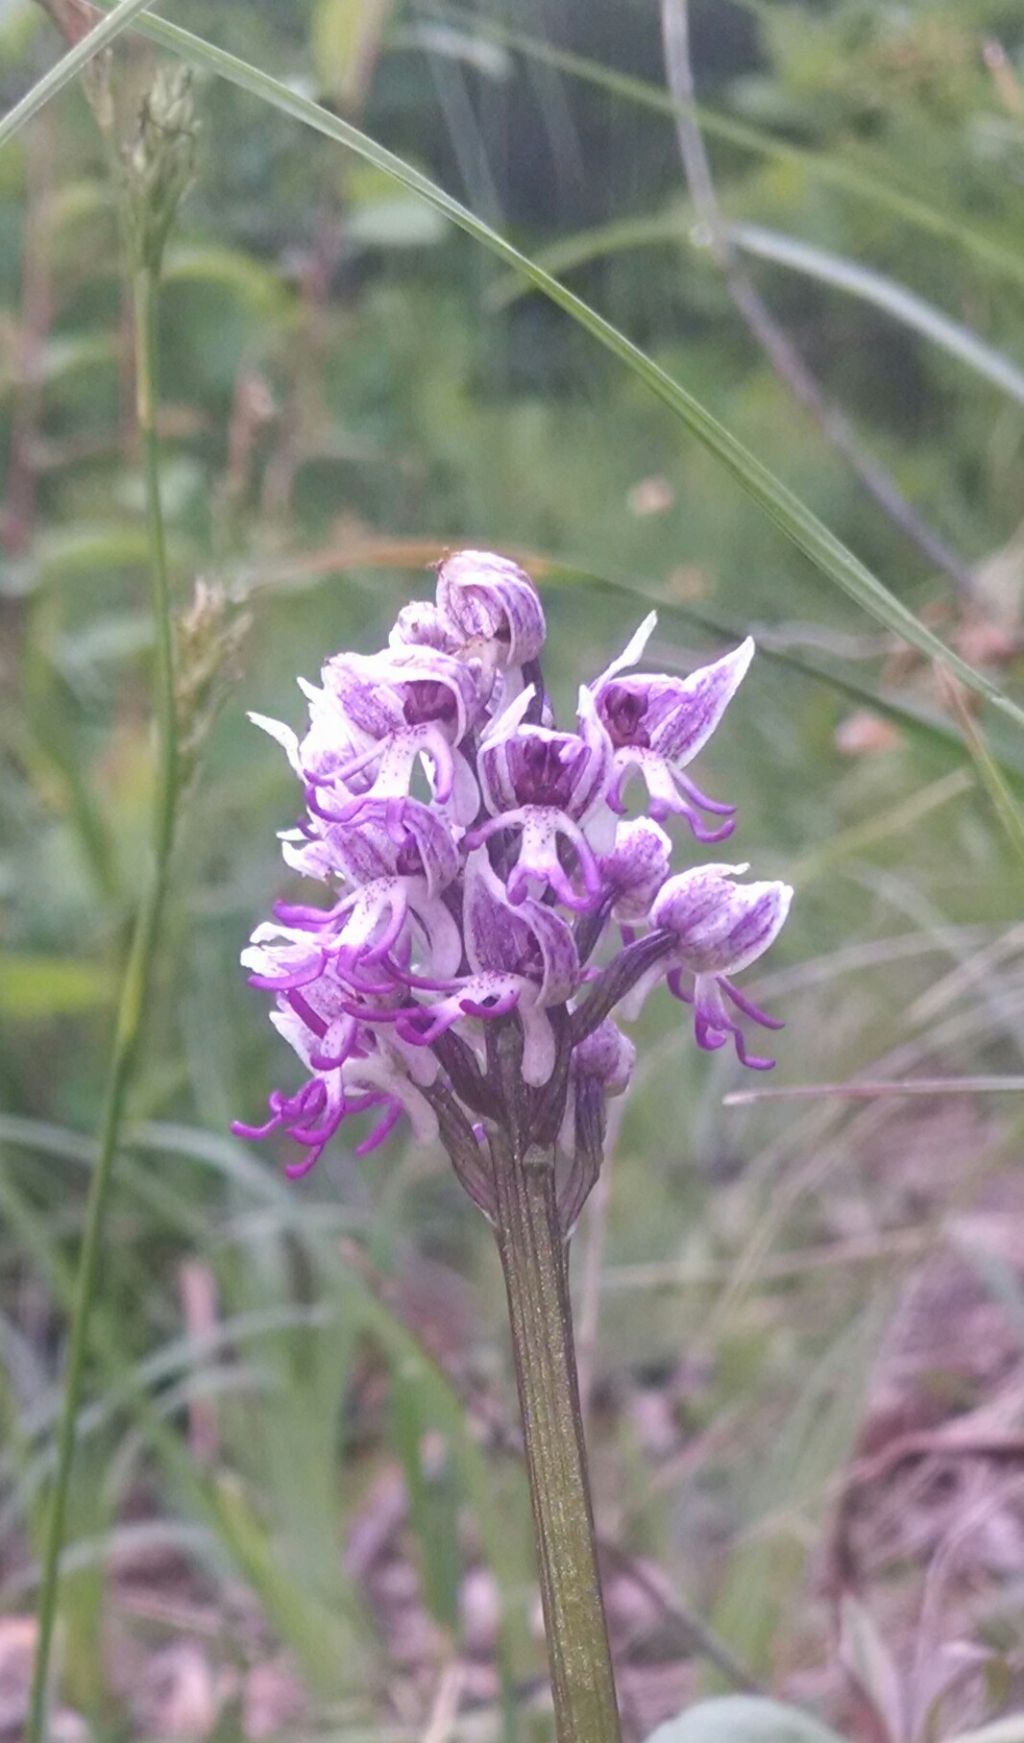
<point x="483" y="875"/>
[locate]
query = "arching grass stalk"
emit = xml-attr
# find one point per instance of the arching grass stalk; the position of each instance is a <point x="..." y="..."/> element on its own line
<point x="156" y="173"/>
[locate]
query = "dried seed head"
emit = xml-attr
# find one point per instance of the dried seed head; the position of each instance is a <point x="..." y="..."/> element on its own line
<point x="159" y="163"/>
<point x="210" y="634"/>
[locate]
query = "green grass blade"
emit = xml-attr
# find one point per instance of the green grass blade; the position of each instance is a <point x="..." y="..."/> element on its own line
<point x="668" y="227"/>
<point x="788" y="1487"/>
<point x="810" y="535"/>
<point x="870" y="186"/>
<point x="1005" y="803"/>
<point x="70" y="65"/>
<point x="432" y="1495"/>
<point x="887" y="294"/>
<point x="673" y="226"/>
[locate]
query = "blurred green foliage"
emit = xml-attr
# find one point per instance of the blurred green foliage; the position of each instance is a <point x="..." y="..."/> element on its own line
<point x="342" y="400"/>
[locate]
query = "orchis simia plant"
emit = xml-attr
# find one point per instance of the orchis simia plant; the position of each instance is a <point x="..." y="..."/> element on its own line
<point x="480" y="937"/>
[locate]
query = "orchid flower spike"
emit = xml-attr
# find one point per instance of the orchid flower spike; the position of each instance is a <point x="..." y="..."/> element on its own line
<point x="483" y="935"/>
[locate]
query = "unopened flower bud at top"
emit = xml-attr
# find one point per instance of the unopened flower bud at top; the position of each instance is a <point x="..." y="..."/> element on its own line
<point x="490" y="600"/>
<point x="420" y="624"/>
<point x="636" y="867"/>
<point x="608" y="1055"/>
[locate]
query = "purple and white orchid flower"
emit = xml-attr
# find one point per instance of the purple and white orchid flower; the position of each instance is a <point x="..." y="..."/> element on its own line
<point x="467" y="965"/>
<point x="353" y="1064"/>
<point x="546" y="785"/>
<point x="720" y="927"/>
<point x="398" y="862"/>
<point x="657" y="725"/>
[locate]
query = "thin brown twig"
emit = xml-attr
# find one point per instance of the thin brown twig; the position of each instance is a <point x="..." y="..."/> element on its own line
<point x="783" y="355"/>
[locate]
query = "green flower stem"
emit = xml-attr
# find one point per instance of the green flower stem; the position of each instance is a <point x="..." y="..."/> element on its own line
<point x="535" y="1263"/>
<point x="134" y="991"/>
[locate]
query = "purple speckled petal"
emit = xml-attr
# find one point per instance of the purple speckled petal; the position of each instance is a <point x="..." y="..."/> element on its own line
<point x="699" y="704"/>
<point x="543" y="827"/>
<point x="528" y="938"/>
<point x="497" y="936"/>
<point x="442" y="940"/>
<point x="438" y="854"/>
<point x="337" y="1045"/>
<point x="395" y="837"/>
<point x="331" y="742"/>
<point x="559" y="957"/>
<point x="721" y="926"/>
<point x="356" y="686"/>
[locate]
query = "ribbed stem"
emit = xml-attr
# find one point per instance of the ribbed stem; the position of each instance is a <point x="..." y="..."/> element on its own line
<point x="534" y="1261"/>
<point x="132" y="1001"/>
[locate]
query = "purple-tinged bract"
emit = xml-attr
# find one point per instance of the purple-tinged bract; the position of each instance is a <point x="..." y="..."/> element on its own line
<point x="489" y="903"/>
